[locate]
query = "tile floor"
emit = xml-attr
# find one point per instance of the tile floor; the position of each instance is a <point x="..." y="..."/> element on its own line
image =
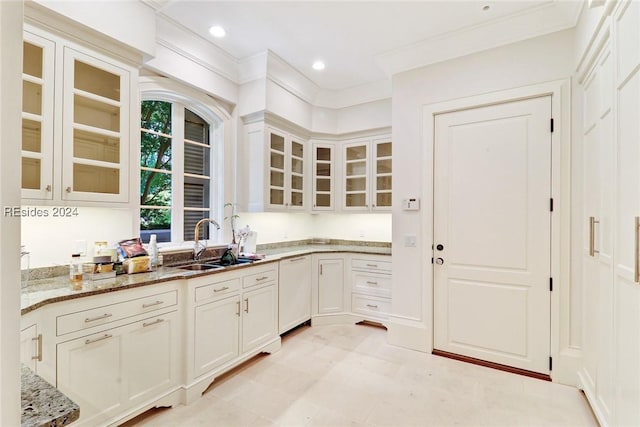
<point x="348" y="375"/>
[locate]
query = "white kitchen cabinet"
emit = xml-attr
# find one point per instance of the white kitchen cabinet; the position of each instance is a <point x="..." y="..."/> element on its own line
<point x="371" y="286"/>
<point x="259" y="317"/>
<point x="151" y="356"/>
<point x="90" y="373"/>
<point x="96" y="120"/>
<point x="324" y="176"/>
<point x="117" y="368"/>
<point x="37" y="117"/>
<point x="610" y="80"/>
<point x="626" y="279"/>
<point x="287" y="160"/>
<point x="597" y="371"/>
<point x="232" y="315"/>
<point x="216" y="331"/>
<point x="79" y="151"/>
<point x="367" y="175"/>
<point x="294" y="292"/>
<point x="30" y="346"/>
<point x="276" y="169"/>
<point x="330" y="285"/>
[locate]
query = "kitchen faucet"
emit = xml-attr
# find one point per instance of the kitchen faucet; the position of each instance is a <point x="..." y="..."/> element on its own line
<point x="199" y="248"/>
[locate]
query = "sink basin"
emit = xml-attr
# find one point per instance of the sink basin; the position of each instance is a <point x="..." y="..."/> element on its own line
<point x="200" y="267"/>
<point x="238" y="262"/>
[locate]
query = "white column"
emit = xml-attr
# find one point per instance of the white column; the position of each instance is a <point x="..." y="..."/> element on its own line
<point x="11" y="17"/>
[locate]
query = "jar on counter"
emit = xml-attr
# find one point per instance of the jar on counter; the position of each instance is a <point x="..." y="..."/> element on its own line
<point x="76" y="273"/>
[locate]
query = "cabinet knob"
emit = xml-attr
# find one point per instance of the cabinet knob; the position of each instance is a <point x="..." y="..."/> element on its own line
<point x="48" y="188"/>
<point x="68" y="189"/>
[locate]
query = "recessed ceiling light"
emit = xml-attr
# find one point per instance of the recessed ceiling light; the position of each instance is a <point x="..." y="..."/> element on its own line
<point x="217" y="31"/>
<point x="318" y="65"/>
<point x="486" y="7"/>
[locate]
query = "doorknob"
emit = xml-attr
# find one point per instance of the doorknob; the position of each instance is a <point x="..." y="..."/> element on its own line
<point x="439" y="261"/>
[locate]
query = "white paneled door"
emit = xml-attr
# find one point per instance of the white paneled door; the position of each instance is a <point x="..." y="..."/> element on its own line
<point x="492" y="233"/>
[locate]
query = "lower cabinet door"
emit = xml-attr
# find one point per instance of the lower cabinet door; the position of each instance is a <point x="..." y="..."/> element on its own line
<point x="108" y="372"/>
<point x="216" y="334"/>
<point x="89" y="372"/>
<point x="150" y="357"/>
<point x="259" y="317"/>
<point x="330" y="286"/>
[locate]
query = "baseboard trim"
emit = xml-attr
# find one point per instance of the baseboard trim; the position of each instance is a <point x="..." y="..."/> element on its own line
<point x="493" y="365"/>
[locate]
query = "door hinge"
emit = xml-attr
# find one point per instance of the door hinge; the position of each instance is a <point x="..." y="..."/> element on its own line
<point x="550" y="363"/>
<point x="552" y="124"/>
<point x="550" y="284"/>
<point x="551" y="205"/>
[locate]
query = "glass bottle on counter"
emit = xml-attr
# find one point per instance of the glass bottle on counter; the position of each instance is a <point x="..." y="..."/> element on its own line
<point x="75" y="269"/>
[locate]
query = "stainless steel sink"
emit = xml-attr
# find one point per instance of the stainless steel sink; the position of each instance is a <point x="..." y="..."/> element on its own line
<point x="201" y="267"/>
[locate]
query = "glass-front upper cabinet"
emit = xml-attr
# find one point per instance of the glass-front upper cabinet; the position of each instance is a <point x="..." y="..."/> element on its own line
<point x="323" y="176"/>
<point x="367" y="176"/>
<point x="96" y="113"/>
<point x="356" y="176"/>
<point x="286" y="171"/>
<point x="37" y="117"/>
<point x="382" y="174"/>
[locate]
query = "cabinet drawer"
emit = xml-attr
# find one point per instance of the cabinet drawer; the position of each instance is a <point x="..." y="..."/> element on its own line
<point x="96" y="316"/>
<point x="371" y="265"/>
<point x="371" y="283"/>
<point x="216" y="289"/>
<point x="263" y="277"/>
<point x="373" y="306"/>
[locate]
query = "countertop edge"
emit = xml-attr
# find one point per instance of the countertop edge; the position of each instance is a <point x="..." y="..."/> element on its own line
<point x="43" y="404"/>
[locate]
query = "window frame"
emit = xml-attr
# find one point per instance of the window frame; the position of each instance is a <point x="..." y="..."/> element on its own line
<point x="163" y="89"/>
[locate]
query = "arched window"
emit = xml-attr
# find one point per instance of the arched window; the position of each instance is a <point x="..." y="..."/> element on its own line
<point x="179" y="149"/>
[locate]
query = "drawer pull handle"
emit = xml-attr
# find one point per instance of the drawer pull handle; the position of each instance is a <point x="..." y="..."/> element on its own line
<point x="297" y="259"/>
<point x="104" y="337"/>
<point x="636" y="272"/>
<point x="372" y="265"/>
<point x="260" y="279"/>
<point x="372" y="306"/>
<point x="246" y="300"/>
<point x="155" y="322"/>
<point x="38" y="355"/>
<point x="369" y="282"/>
<point x="93" y="319"/>
<point x="238" y="309"/>
<point x="224" y="288"/>
<point x="151" y="304"/>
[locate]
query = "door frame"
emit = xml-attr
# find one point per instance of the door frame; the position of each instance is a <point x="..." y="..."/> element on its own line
<point x="565" y="354"/>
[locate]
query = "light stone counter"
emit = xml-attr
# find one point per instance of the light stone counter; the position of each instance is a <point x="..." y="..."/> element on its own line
<point x="43" y="404"/>
<point x="38" y="293"/>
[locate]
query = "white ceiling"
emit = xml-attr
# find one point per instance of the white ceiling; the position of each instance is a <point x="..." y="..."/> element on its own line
<point x="363" y="42"/>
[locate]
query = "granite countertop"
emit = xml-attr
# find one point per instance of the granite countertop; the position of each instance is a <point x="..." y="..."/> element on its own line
<point x="38" y="293"/>
<point x="43" y="404"/>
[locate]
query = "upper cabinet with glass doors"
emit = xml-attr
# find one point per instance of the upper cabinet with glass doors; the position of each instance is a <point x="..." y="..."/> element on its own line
<point x="96" y="114"/>
<point x="37" y="117"/>
<point x="286" y="171"/>
<point x="367" y="175"/>
<point x="79" y="150"/>
<point x="324" y="176"/>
